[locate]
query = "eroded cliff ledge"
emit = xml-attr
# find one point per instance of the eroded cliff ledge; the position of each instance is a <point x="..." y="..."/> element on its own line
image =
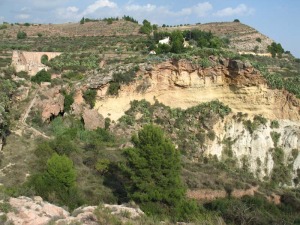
<point x="184" y="84"/>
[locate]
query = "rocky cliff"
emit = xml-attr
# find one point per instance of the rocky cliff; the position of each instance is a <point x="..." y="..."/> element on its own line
<point x="184" y="84"/>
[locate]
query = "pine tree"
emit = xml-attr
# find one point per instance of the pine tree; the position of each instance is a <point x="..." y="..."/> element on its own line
<point x="153" y="170"/>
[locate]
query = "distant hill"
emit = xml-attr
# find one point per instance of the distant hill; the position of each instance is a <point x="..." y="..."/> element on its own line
<point x="242" y="37"/>
<point x="99" y="28"/>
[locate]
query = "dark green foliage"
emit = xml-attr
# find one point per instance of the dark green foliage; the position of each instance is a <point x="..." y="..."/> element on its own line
<point x="58" y="182"/>
<point x="23" y="74"/>
<point x="82" y="20"/>
<point x="130" y="19"/>
<point x="276" y="49"/>
<point x="68" y="101"/>
<point x="107" y="123"/>
<point x="275" y="137"/>
<point x="44" y="59"/>
<point x="236" y="20"/>
<point x="258" y="40"/>
<point x="90" y="97"/>
<point x="125" y="77"/>
<point x="257" y="121"/>
<point x="282" y="172"/>
<point x="153" y="169"/>
<point x="204" y="39"/>
<point x="113" y="88"/>
<point x="177" y="42"/>
<point x="252" y="211"/>
<point x="41" y="76"/>
<point x="72" y="75"/>
<point x="146" y="28"/>
<point x="64" y="145"/>
<point x="274" y="124"/>
<point x="21" y="35"/>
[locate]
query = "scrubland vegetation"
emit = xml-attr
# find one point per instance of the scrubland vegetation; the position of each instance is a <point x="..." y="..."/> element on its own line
<point x="77" y="166"/>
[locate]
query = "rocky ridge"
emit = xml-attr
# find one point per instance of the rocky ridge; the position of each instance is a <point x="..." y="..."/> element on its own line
<point x="35" y="211"/>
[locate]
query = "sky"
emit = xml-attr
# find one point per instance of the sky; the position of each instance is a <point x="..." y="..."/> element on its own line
<point x="278" y="19"/>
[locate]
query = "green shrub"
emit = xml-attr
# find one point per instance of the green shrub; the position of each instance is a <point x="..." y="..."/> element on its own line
<point x="258" y="40"/>
<point x="58" y="182"/>
<point x="73" y="75"/>
<point x="41" y="76"/>
<point x="257" y="121"/>
<point x="68" y="101"/>
<point x="44" y="59"/>
<point x="275" y="137"/>
<point x="90" y="97"/>
<point x="21" y="35"/>
<point x="113" y="88"/>
<point x="274" y="124"/>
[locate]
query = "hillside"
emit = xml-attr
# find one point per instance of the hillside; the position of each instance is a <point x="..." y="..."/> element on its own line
<point x="85" y="110"/>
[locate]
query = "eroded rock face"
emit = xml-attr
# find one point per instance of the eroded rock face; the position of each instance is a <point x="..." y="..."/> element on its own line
<point x="51" y="102"/>
<point x="92" y="119"/>
<point x="183" y="84"/>
<point x="35" y="211"/>
<point x="257" y="147"/>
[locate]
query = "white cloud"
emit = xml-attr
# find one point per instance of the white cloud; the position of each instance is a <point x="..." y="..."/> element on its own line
<point x="1" y="19"/>
<point x="200" y="10"/>
<point x="98" y="5"/>
<point x="72" y="9"/>
<point x="140" y="8"/>
<point x="22" y="16"/>
<point x="157" y="14"/>
<point x="240" y="10"/>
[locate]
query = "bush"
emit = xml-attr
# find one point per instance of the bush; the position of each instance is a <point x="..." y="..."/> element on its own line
<point x="90" y="97"/>
<point x="41" y="76"/>
<point x="113" y="88"/>
<point x="21" y="35"/>
<point x="58" y="182"/>
<point x="274" y="124"/>
<point x="69" y="100"/>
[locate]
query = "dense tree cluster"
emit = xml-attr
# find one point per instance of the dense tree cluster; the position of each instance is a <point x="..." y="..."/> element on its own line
<point x="276" y="49"/>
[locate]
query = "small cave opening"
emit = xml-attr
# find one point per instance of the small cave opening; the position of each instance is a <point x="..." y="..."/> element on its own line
<point x="52" y="117"/>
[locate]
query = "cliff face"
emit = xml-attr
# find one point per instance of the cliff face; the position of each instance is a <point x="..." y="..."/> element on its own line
<point x="258" y="148"/>
<point x="182" y="84"/>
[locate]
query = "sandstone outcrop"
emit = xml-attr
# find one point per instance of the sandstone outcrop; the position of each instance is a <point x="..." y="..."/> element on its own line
<point x="35" y="211"/>
<point x="92" y="119"/>
<point x="51" y="103"/>
<point x="184" y="84"/>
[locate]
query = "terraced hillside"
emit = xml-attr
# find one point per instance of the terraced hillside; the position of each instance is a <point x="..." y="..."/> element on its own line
<point x="99" y="28"/>
<point x="242" y="37"/>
